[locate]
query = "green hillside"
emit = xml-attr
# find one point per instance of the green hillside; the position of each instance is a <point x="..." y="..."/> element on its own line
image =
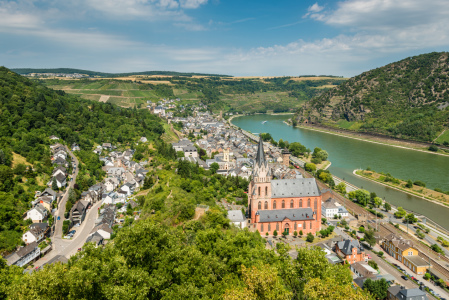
<point x="280" y="94"/>
<point x="29" y="114"/>
<point x="406" y="99"/>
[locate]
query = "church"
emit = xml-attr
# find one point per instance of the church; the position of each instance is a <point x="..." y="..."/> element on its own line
<point x="284" y="205"/>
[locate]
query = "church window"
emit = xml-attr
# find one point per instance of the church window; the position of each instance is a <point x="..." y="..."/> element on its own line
<point x="310" y="225"/>
<point x="277" y="226"/>
<point x="261" y="227"/>
<point x="266" y="205"/>
<point x="291" y="204"/>
<point x="315" y="205"/>
<point x="300" y="202"/>
<point x="259" y="205"/>
<point x="259" y="191"/>
<point x="266" y="191"/>
<point x="308" y="203"/>
<point x="294" y="226"/>
<point x="283" y="203"/>
<point x="269" y="227"/>
<point x="304" y="225"/>
<point x="274" y="204"/>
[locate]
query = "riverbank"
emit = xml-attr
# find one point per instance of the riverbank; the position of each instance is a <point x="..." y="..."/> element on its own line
<point x="398" y="188"/>
<point x="361" y="136"/>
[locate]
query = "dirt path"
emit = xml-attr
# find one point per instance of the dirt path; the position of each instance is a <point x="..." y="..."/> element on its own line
<point x="104" y="98"/>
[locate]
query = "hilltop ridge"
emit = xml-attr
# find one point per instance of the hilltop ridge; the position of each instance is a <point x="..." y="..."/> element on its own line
<point x="405" y="99"/>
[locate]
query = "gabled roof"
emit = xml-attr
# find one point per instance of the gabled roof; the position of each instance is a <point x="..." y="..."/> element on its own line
<point x="49" y="191"/>
<point x="346" y="246"/>
<point x="276" y="215"/>
<point x="60" y="178"/>
<point x="297" y="187"/>
<point x="236" y="216"/>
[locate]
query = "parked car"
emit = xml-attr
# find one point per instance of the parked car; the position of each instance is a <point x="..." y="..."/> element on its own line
<point x="59" y="218"/>
<point x="79" y="249"/>
<point x="67" y="237"/>
<point x="72" y="231"/>
<point x="404" y="277"/>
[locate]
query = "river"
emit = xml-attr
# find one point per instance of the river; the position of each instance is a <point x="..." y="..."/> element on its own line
<point x="347" y="154"/>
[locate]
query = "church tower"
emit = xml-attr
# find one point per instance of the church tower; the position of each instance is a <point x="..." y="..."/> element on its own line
<point x="259" y="190"/>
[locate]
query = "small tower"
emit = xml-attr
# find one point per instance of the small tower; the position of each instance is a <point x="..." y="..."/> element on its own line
<point x="226" y="155"/>
<point x="286" y="157"/>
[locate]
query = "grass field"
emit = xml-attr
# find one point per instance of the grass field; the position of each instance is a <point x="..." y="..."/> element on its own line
<point x="443" y="138"/>
<point x="19" y="159"/>
<point x="349" y="125"/>
<point x="169" y="136"/>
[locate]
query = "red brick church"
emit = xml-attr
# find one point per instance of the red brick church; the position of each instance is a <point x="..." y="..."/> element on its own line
<point x="282" y="204"/>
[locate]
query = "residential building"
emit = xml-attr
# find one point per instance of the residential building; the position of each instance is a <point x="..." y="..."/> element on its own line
<point x="24" y="255"/>
<point x="350" y="251"/>
<point x="95" y="238"/>
<point x="37" y="214"/>
<point x="78" y="213"/>
<point x="404" y="251"/>
<point x="35" y="234"/>
<point x="397" y="292"/>
<point x="104" y="230"/>
<point x="237" y="218"/>
<point x="362" y="269"/>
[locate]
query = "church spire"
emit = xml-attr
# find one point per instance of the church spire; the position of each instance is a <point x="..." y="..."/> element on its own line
<point x="260" y="157"/>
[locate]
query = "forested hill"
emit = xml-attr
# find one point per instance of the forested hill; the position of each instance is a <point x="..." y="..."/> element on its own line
<point x="26" y="71"/>
<point x="406" y="99"/>
<point x="29" y="114"/>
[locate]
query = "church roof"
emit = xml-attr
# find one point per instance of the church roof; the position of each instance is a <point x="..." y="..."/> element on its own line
<point x="297" y="187"/>
<point x="295" y="214"/>
<point x="260" y="157"/>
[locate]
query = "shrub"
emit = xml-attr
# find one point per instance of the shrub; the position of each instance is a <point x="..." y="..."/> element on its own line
<point x="310" y="237"/>
<point x="433" y="148"/>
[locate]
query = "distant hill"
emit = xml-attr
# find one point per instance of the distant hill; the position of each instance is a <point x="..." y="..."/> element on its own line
<point x="25" y="71"/>
<point x="406" y="99"/>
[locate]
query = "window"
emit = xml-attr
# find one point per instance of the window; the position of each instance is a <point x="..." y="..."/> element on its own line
<point x="291" y="204"/>
<point x="266" y="191"/>
<point x="308" y="202"/>
<point x="410" y="253"/>
<point x="266" y="205"/>
<point x="259" y="205"/>
<point x="274" y="204"/>
<point x="261" y="227"/>
<point x="304" y="225"/>
<point x="310" y="225"/>
<point x="294" y="226"/>
<point x="269" y="227"/>
<point x="283" y="203"/>
<point x="259" y="191"/>
<point x="300" y="202"/>
<point x="315" y="205"/>
<point x="277" y="226"/>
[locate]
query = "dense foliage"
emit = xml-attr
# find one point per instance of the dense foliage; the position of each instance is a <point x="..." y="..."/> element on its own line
<point x="406" y="99"/>
<point x="29" y="114"/>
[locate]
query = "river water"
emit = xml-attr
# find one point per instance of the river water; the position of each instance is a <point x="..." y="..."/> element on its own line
<point x="347" y="154"/>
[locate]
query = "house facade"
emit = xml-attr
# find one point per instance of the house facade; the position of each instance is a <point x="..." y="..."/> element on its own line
<point x="350" y="251"/>
<point x="404" y="251"/>
<point x="24" y="255"/>
<point x="284" y="205"/>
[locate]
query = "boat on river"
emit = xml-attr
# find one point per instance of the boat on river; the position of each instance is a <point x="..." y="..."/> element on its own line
<point x="264" y="122"/>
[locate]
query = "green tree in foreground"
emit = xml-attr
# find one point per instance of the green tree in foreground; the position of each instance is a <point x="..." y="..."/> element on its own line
<point x="214" y="167"/>
<point x="377" y="288"/>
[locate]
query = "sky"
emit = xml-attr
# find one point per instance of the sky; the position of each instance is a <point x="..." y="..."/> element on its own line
<point x="239" y="38"/>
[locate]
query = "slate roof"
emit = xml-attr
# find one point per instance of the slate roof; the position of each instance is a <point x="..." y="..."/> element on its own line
<point x="346" y="246"/>
<point x="13" y="258"/>
<point x="407" y="294"/>
<point x="95" y="238"/>
<point x="260" y="157"/>
<point x="41" y="226"/>
<point x="102" y="226"/>
<point x="297" y="187"/>
<point x="236" y="216"/>
<point x="60" y="178"/>
<point x="275" y="215"/>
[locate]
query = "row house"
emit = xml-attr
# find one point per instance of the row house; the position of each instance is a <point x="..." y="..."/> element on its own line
<point x="24" y="255"/>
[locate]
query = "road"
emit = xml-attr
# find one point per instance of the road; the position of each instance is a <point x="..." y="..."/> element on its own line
<point x="66" y="247"/>
<point x="61" y="207"/>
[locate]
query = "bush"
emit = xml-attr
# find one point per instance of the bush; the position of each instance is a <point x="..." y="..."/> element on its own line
<point x="373" y="264"/>
<point x="310" y="238"/>
<point x="419" y="183"/>
<point x="433" y="148"/>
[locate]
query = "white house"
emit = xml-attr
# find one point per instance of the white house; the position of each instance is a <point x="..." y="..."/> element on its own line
<point x="60" y="180"/>
<point x="159" y="110"/>
<point x="35" y="234"/>
<point x="111" y="184"/>
<point x="236" y="217"/>
<point x="103" y="230"/>
<point x="37" y="214"/>
<point x="329" y="209"/>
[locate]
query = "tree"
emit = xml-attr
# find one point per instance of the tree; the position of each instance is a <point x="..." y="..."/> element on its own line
<point x="295" y="233"/>
<point x="54" y="185"/>
<point x="373" y="264"/>
<point x="400" y="213"/>
<point x="214" y="167"/>
<point x="387" y="206"/>
<point x="377" y="288"/>
<point x="301" y="233"/>
<point x="310" y="238"/>
<point x="310" y="167"/>
<point x="362" y="197"/>
<point x="275" y="233"/>
<point x="369" y="237"/>
<point x="377" y="201"/>
<point x="323" y="220"/>
<point x="410" y="218"/>
<point x="437" y="249"/>
<point x="362" y="229"/>
<point x="341" y="188"/>
<point x="284" y="233"/>
<point x="427" y="276"/>
<point x="323" y="155"/>
<point x="409" y="184"/>
<point x="260" y="283"/>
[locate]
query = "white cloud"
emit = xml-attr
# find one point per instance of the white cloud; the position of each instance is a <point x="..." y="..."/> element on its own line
<point x="192" y="3"/>
<point x="315" y="8"/>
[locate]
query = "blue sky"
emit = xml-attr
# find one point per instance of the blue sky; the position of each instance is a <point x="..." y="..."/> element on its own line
<point x="241" y="38"/>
